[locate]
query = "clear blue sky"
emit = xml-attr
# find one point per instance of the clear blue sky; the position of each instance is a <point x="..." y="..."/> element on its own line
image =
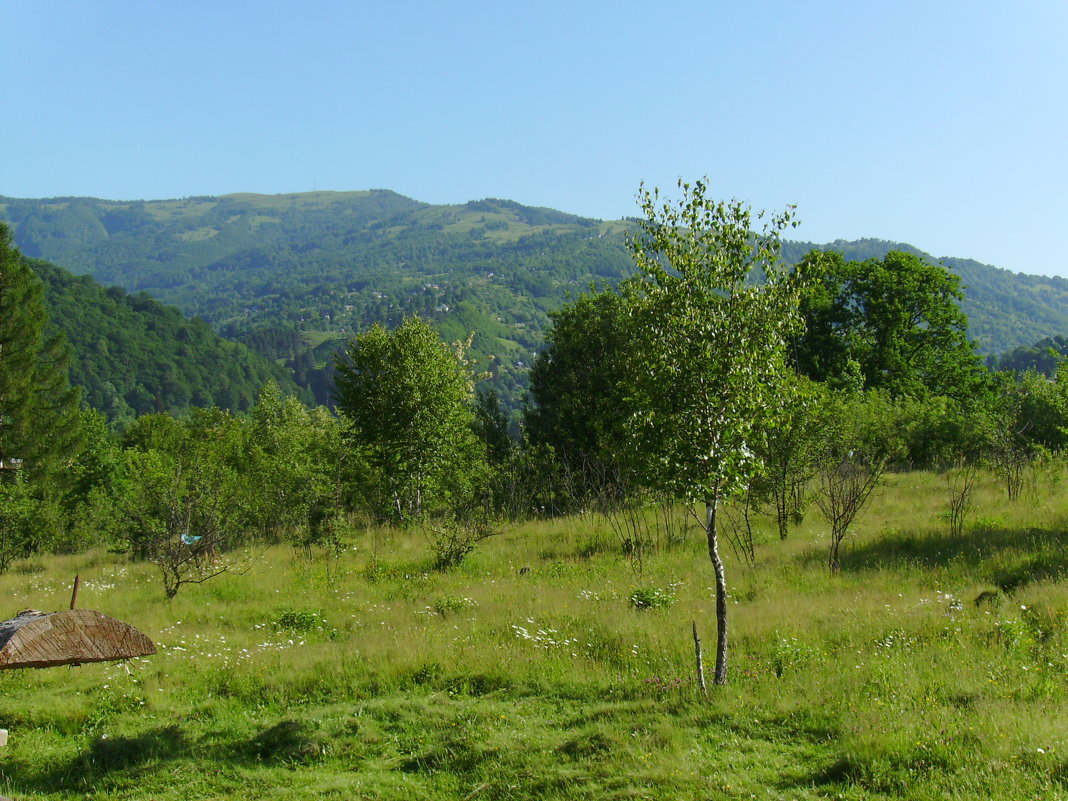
<point x="940" y="123"/>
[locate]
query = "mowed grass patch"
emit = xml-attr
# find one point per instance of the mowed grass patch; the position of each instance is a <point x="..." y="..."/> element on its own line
<point x="932" y="667"/>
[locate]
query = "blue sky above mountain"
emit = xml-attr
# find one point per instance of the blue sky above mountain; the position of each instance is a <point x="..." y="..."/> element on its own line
<point x="936" y="124"/>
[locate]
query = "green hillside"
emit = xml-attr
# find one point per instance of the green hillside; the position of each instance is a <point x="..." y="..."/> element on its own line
<point x="293" y="276"/>
<point x="132" y="354"/>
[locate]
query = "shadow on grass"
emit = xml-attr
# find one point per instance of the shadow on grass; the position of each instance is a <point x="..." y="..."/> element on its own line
<point x="1006" y="558"/>
<point x="107" y="755"/>
<point x="288" y="742"/>
<point x="891" y="775"/>
<point x="118" y="761"/>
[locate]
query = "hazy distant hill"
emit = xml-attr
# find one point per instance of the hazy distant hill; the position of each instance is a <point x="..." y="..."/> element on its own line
<point x="134" y="355"/>
<point x="294" y="275"/>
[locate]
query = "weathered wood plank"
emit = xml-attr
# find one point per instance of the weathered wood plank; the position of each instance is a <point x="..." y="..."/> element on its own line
<point x="43" y="639"/>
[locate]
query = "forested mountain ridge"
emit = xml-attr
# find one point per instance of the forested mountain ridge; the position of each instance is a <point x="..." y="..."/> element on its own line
<point x="293" y="276"/>
<point x="133" y="355"/>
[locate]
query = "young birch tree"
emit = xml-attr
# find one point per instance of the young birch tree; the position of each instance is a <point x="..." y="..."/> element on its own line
<point x="713" y="307"/>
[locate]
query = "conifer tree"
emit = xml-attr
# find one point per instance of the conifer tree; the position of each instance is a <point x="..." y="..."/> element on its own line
<point x="38" y="407"/>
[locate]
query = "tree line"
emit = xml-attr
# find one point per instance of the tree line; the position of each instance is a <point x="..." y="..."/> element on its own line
<point x="718" y="373"/>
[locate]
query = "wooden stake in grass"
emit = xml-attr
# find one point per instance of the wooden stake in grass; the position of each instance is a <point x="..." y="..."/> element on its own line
<point x="700" y="660"/>
<point x="74" y="591"/>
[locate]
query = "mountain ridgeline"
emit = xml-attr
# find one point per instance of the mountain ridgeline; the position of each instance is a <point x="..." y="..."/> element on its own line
<point x="294" y="276"/>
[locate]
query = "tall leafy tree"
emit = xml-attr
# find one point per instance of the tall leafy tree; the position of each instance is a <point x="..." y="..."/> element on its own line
<point x="38" y="408"/>
<point x="896" y="320"/>
<point x="281" y="459"/>
<point x="406" y="395"/>
<point x="297" y="466"/>
<point x="576" y="393"/>
<point x="710" y="365"/>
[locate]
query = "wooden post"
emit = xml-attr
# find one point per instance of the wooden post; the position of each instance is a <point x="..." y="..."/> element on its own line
<point x="74" y="592"/>
<point x="700" y="660"/>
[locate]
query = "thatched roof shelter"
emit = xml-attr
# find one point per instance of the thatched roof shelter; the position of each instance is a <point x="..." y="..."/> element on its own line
<point x="47" y="639"/>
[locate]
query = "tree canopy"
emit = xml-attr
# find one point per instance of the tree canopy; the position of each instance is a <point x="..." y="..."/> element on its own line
<point x="38" y="408"/>
<point x="895" y="321"/>
<point x="576" y="394"/>
<point x="406" y="395"/>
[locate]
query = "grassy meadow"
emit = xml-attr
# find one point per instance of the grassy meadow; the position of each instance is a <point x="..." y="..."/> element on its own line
<point x="364" y="675"/>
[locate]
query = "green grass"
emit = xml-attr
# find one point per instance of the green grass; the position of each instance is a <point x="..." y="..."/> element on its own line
<point x="369" y="677"/>
<point x="314" y="339"/>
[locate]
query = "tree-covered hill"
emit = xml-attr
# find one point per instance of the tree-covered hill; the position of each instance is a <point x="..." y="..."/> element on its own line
<point x="132" y="355"/>
<point x="294" y="276"/>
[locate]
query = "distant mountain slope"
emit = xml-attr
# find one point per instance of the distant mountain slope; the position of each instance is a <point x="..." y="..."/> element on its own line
<point x="134" y="355"/>
<point x="295" y="275"/>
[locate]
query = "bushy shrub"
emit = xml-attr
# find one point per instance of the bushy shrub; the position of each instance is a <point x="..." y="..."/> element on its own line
<point x="454" y="537"/>
<point x="298" y="620"/>
<point x="651" y="598"/>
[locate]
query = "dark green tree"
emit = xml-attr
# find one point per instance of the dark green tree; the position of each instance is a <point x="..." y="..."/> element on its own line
<point x="38" y="408"/>
<point x="576" y="390"/>
<point x="491" y="426"/>
<point x="896" y="320"/>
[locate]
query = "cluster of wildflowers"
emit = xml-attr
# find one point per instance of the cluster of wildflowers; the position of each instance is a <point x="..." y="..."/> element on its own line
<point x="544" y="637"/>
<point x="198" y="648"/>
<point x="951" y="602"/>
<point x="448" y="605"/>
<point x="896" y="640"/>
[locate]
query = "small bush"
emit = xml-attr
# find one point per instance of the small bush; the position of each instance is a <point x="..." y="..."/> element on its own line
<point x="651" y="598"/>
<point x="452" y="605"/>
<point x="298" y="620"/>
<point x="789" y="653"/>
<point x="453" y="538"/>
